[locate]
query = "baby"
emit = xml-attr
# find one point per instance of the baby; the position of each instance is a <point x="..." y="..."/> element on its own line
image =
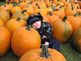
<point x="45" y="30"/>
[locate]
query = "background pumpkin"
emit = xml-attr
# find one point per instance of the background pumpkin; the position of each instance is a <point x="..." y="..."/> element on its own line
<point x="14" y="24"/>
<point x="62" y="29"/>
<point x="4" y="40"/>
<point x="43" y="54"/>
<point x="59" y="12"/>
<point x="25" y="39"/>
<point x="75" y="22"/>
<point x="4" y="15"/>
<point x="76" y="41"/>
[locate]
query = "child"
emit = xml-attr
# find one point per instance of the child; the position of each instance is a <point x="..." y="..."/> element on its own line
<point x="45" y="30"/>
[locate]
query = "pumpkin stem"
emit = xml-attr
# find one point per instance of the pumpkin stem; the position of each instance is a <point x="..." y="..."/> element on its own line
<point x="28" y="27"/>
<point x="75" y="14"/>
<point x="64" y="19"/>
<point x="79" y="13"/>
<point x="23" y="11"/>
<point x="53" y="7"/>
<point x="18" y="19"/>
<point x="72" y="7"/>
<point x="50" y="13"/>
<point x="44" y="52"/>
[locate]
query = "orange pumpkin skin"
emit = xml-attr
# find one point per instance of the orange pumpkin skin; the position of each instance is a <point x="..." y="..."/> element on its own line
<point x="62" y="30"/>
<point x="69" y="12"/>
<point x="52" y="18"/>
<point x="14" y="24"/>
<point x="1" y="23"/>
<point x="35" y="54"/>
<point x="24" y="40"/>
<point x="45" y="19"/>
<point x="4" y="15"/>
<point x="75" y="22"/>
<point x="4" y="40"/>
<point x="59" y="12"/>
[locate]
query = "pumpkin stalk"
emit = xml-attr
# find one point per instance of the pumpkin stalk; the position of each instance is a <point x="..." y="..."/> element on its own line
<point x="18" y="19"/>
<point x="28" y="27"/>
<point x="64" y="19"/>
<point x="50" y="13"/>
<point x="23" y="11"/>
<point x="72" y="7"/>
<point x="75" y="14"/>
<point x="44" y="52"/>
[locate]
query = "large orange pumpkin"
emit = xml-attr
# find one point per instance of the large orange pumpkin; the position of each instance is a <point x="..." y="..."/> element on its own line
<point x="43" y="54"/>
<point x="62" y="29"/>
<point x="14" y="24"/>
<point x="4" y="40"/>
<point x="25" y="39"/>
<point x="75" y="21"/>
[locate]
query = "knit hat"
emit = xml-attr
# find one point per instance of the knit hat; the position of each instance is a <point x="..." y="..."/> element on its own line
<point x="34" y="18"/>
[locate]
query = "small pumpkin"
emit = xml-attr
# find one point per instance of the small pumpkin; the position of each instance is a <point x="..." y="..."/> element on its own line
<point x="43" y="54"/>
<point x="52" y="18"/>
<point x="70" y="10"/>
<point x="62" y="29"/>
<point x="75" y="22"/>
<point x="4" y="15"/>
<point x="14" y="24"/>
<point x="20" y="14"/>
<point x="25" y="39"/>
<point x="76" y="39"/>
<point x="15" y="9"/>
<point x="59" y="11"/>
<point x="4" y="40"/>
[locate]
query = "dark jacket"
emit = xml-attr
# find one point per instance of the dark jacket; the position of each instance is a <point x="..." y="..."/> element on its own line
<point x="46" y="30"/>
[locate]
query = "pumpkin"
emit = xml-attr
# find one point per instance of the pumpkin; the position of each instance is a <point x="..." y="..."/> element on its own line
<point x="75" y="21"/>
<point x="76" y="40"/>
<point x="43" y="54"/>
<point x="52" y="17"/>
<point x="4" y="40"/>
<point x="70" y="11"/>
<point x="20" y="14"/>
<point x="14" y="24"/>
<point x="1" y="23"/>
<point x="22" y="5"/>
<point x="25" y="39"/>
<point x="7" y="7"/>
<point x="4" y="15"/>
<point x="59" y="12"/>
<point x="45" y="19"/>
<point x="62" y="29"/>
<point x="15" y="9"/>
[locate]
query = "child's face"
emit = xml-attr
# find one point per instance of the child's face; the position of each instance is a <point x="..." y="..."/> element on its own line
<point x="36" y="25"/>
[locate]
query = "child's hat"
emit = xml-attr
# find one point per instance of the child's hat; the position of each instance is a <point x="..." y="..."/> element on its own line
<point x="34" y="18"/>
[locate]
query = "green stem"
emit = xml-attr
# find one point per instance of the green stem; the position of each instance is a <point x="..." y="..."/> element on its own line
<point x="65" y="18"/>
<point x="44" y="52"/>
<point x="18" y="19"/>
<point x="23" y="11"/>
<point x="75" y="14"/>
<point x="28" y="27"/>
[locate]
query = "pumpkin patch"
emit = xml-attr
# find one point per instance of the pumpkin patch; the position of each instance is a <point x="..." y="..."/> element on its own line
<point x="64" y="17"/>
